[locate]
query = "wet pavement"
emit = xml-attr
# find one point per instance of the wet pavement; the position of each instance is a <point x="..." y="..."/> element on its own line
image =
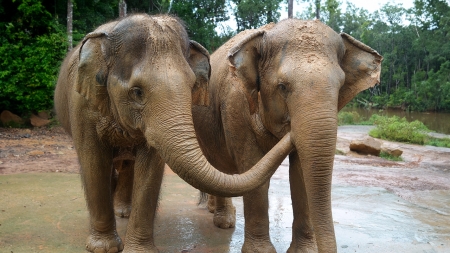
<point x="46" y="213"/>
<point x="378" y="206"/>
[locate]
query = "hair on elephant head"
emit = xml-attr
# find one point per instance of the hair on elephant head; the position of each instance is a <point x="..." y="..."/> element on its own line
<point x="287" y="78"/>
<point x="130" y="85"/>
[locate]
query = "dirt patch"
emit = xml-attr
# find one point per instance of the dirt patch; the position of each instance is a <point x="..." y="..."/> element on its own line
<point x="36" y="150"/>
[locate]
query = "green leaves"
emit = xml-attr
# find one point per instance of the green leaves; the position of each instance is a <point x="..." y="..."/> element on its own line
<point x="29" y="59"/>
<point x="396" y="129"/>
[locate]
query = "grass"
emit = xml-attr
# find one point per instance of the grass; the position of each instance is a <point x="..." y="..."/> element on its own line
<point x="390" y="157"/>
<point x="437" y="142"/>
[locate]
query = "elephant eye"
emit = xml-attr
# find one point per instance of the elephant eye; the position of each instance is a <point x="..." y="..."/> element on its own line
<point x="136" y="93"/>
<point x="283" y="90"/>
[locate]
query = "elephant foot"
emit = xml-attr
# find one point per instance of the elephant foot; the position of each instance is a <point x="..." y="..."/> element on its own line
<point x="303" y="249"/>
<point x="152" y="249"/>
<point x="122" y="210"/>
<point x="104" y="243"/>
<point x="258" y="246"/>
<point x="225" y="217"/>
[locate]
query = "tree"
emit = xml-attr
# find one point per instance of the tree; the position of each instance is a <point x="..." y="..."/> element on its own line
<point x="202" y="18"/>
<point x="252" y="14"/>
<point x="32" y="45"/>
<point x="122" y="9"/>
<point x="69" y="24"/>
<point x="290" y="8"/>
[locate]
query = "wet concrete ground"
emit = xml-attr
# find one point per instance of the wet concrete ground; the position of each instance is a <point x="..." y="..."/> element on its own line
<point x="378" y="206"/>
<point x="46" y="213"/>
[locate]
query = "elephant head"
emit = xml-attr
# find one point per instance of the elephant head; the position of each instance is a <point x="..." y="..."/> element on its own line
<point x="144" y="74"/>
<point x="296" y="76"/>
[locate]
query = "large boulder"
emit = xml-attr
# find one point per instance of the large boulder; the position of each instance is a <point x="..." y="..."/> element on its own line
<point x="10" y="119"/>
<point x="368" y="146"/>
<point x="392" y="150"/>
<point x="37" y="121"/>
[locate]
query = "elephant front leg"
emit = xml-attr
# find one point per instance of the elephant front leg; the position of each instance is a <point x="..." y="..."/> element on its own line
<point x="303" y="238"/>
<point x="256" y="206"/>
<point x="123" y="191"/>
<point x="224" y="211"/>
<point x="148" y="174"/>
<point x="96" y="163"/>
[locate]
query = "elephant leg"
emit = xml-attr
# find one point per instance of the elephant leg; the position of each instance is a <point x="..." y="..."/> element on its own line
<point x="123" y="191"/>
<point x="303" y="239"/>
<point x="224" y="213"/>
<point x="256" y="206"/>
<point x="211" y="203"/>
<point x="148" y="174"/>
<point x="96" y="165"/>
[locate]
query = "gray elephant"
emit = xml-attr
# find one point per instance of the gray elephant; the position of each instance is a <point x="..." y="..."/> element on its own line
<point x="291" y="77"/>
<point x="130" y="85"/>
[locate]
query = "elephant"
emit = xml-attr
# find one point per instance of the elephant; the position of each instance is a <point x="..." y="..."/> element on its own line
<point x="290" y="77"/>
<point x="129" y="87"/>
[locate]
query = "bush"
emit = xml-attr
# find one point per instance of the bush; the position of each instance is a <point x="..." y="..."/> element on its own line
<point x="396" y="129"/>
<point x="31" y="50"/>
<point x="348" y="118"/>
<point x="445" y="142"/>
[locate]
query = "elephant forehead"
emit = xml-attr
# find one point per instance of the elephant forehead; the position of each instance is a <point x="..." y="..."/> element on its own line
<point x="154" y="34"/>
<point x="301" y="36"/>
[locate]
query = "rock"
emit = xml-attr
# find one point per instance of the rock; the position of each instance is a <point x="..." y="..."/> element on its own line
<point x="8" y="118"/>
<point x="35" y="153"/>
<point x="368" y="146"/>
<point x="38" y="122"/>
<point x="392" y="150"/>
<point x="44" y="115"/>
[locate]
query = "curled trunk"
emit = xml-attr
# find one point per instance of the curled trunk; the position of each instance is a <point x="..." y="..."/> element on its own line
<point x="179" y="148"/>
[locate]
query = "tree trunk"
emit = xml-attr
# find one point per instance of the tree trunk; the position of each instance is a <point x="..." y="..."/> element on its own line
<point x="69" y="25"/>
<point x="122" y="9"/>
<point x="318" y="9"/>
<point x="291" y="9"/>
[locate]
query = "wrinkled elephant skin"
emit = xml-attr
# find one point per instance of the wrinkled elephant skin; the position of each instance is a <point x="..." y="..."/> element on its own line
<point x="129" y="86"/>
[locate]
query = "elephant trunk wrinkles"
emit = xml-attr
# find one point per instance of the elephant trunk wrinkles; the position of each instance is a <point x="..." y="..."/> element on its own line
<point x="178" y="146"/>
<point x="316" y="150"/>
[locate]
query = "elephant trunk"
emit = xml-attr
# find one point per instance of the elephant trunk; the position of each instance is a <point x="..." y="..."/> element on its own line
<point x="176" y="141"/>
<point x="314" y="136"/>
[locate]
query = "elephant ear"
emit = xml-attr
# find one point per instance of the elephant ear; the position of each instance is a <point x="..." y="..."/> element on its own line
<point x="93" y="71"/>
<point x="199" y="62"/>
<point x="244" y="58"/>
<point x="362" y="67"/>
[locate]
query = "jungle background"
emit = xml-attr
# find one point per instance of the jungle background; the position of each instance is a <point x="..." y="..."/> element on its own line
<point x="415" y="42"/>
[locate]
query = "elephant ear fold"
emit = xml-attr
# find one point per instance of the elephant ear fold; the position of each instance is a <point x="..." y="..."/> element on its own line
<point x="362" y="67"/>
<point x="92" y="74"/>
<point x="199" y="62"/>
<point x="244" y="59"/>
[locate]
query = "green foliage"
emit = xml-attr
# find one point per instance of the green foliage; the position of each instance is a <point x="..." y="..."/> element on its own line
<point x="252" y="14"/>
<point x="438" y="142"/>
<point x="352" y="118"/>
<point x="348" y="118"/>
<point x="202" y="18"/>
<point x="31" y="49"/>
<point x="398" y="129"/>
<point x="390" y="157"/>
